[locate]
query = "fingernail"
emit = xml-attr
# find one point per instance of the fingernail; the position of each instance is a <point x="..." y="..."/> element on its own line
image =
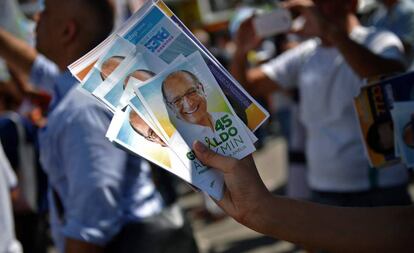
<point x="200" y="147"/>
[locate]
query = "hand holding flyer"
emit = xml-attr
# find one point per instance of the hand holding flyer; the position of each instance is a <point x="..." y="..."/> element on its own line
<point x="137" y="130"/>
<point x="186" y="104"/>
<point x="182" y="94"/>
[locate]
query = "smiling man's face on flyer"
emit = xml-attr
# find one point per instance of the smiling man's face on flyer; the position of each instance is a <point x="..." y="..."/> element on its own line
<point x="186" y="97"/>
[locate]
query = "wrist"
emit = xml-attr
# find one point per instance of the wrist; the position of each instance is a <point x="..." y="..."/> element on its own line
<point x="260" y="217"/>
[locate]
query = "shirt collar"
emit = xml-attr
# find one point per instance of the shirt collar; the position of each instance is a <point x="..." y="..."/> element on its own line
<point x="63" y="84"/>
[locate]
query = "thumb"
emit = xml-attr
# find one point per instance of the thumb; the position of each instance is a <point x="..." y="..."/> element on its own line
<point x="212" y="159"/>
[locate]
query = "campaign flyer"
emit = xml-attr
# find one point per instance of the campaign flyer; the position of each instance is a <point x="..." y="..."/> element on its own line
<point x="187" y="104"/>
<point x="154" y="29"/>
<point x="208" y="180"/>
<point x="118" y="52"/>
<point x="114" y="91"/>
<point x="123" y="131"/>
<point x="373" y="107"/>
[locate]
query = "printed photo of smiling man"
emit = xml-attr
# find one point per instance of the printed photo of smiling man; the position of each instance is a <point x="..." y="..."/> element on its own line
<point x="185" y="97"/>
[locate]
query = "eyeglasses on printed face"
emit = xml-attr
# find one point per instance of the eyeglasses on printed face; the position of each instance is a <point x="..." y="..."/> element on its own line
<point x="189" y="94"/>
<point x="151" y="135"/>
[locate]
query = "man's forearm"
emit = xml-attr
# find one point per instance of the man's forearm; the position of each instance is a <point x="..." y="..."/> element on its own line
<point x="253" y="80"/>
<point x="238" y="67"/>
<point x="17" y="53"/>
<point x="338" y="229"/>
<point x="364" y="62"/>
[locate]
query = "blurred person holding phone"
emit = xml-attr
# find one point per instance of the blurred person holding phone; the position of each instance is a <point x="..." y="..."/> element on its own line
<point x="328" y="70"/>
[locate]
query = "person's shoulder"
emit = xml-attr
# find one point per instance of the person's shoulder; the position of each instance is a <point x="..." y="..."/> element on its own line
<point x="406" y="8"/>
<point x="284" y="67"/>
<point x="305" y="47"/>
<point x="368" y="32"/>
<point x="83" y="108"/>
<point x="373" y="35"/>
<point x="80" y="101"/>
<point x="381" y="42"/>
<point x="299" y="53"/>
<point x="309" y="44"/>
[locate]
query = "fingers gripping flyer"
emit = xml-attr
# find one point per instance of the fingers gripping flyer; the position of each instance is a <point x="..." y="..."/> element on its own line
<point x="144" y="128"/>
<point x="130" y="132"/>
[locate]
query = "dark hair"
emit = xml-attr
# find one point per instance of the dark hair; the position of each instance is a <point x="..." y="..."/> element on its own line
<point x="193" y="77"/>
<point x="374" y="139"/>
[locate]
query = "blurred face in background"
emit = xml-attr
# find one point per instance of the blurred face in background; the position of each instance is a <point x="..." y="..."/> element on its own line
<point x="50" y="29"/>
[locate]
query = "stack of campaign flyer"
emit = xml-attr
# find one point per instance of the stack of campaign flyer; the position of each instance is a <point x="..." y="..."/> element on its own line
<point x="386" y="116"/>
<point x="167" y="91"/>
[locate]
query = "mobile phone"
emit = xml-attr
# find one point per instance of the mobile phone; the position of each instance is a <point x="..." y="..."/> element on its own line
<point x="273" y="23"/>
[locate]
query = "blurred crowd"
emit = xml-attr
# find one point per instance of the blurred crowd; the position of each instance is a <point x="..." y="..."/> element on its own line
<point x="62" y="184"/>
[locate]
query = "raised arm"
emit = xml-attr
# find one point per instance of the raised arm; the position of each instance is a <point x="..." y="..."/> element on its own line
<point x="18" y="54"/>
<point x="335" y="29"/>
<point x="363" y="61"/>
<point x="253" y="80"/>
<point x="313" y="226"/>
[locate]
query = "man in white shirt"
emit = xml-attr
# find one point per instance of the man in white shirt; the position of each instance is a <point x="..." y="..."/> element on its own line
<point x="329" y="72"/>
<point x="8" y="242"/>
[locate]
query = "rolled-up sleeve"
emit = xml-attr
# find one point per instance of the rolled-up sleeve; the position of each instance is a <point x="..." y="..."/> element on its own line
<point x="44" y="73"/>
<point x="284" y="69"/>
<point x="94" y="170"/>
